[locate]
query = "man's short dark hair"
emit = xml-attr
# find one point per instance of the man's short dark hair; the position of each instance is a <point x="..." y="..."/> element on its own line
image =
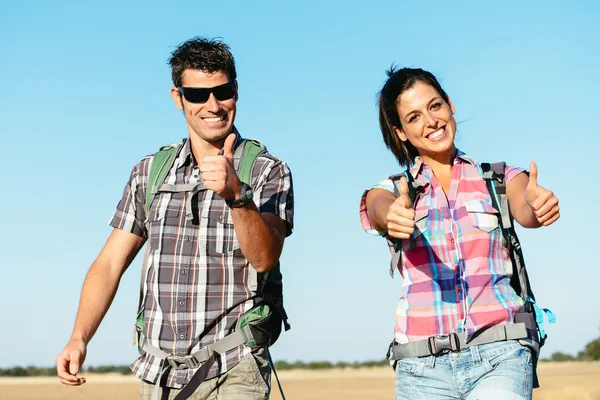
<point x="206" y="55"/>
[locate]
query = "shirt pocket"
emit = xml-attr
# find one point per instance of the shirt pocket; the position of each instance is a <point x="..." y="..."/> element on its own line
<point x="164" y="223"/>
<point x="221" y="237"/>
<point x="483" y="216"/>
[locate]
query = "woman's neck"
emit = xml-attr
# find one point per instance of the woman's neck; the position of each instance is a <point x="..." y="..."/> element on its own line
<point x="440" y="164"/>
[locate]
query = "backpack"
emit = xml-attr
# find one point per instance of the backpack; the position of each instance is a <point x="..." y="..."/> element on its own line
<point x="259" y="326"/>
<point x="493" y="175"/>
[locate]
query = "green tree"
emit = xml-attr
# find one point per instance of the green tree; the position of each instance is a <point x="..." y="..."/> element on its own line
<point x="591" y="351"/>
<point x="558" y="356"/>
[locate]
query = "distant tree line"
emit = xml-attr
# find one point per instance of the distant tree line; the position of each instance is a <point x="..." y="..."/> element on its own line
<point x="38" y="371"/>
<point x="591" y="352"/>
<point x="283" y="365"/>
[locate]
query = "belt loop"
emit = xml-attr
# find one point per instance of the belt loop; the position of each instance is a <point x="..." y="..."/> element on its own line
<point x="475" y="354"/>
<point x="430" y="362"/>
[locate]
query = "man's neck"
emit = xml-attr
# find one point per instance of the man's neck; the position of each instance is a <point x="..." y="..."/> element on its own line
<point x="201" y="148"/>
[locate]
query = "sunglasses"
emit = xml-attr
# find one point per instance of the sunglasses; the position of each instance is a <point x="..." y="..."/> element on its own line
<point x="201" y="95"/>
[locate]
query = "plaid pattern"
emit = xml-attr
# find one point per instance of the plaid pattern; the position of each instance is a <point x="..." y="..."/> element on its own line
<point x="456" y="268"/>
<point x="196" y="270"/>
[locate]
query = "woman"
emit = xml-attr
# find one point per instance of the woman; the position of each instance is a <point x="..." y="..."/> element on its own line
<point x="454" y="260"/>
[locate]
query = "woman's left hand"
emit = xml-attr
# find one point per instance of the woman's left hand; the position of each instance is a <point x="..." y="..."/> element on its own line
<point x="543" y="202"/>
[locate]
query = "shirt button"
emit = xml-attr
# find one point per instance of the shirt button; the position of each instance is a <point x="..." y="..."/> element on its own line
<point x="459" y="290"/>
<point x="184" y="271"/>
<point x="182" y="303"/>
<point x="221" y="216"/>
<point x="181" y="336"/>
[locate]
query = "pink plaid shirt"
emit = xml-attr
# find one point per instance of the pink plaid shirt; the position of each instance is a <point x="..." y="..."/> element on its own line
<point x="456" y="268"/>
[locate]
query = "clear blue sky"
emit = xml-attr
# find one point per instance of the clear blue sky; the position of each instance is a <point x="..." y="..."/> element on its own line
<point x="85" y="94"/>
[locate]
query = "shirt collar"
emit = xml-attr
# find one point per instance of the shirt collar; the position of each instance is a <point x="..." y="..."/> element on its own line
<point x="417" y="167"/>
<point x="421" y="179"/>
<point x="185" y="157"/>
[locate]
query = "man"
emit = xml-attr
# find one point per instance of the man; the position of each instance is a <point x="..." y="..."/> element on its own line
<point x="212" y="240"/>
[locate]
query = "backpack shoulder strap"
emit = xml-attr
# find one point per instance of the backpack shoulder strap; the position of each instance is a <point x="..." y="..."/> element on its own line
<point x="413" y="192"/>
<point x="494" y="177"/>
<point x="413" y="188"/>
<point x="496" y="183"/>
<point x="244" y="157"/>
<point x="161" y="163"/>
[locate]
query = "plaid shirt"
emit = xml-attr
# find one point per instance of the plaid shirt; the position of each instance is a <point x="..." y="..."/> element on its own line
<point x="196" y="269"/>
<point x="456" y="268"/>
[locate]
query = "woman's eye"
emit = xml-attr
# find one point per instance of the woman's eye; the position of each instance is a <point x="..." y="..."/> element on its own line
<point x="436" y="106"/>
<point x="412" y="119"/>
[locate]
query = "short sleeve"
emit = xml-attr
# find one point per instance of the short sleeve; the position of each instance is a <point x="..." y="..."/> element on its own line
<point x="385" y="184"/>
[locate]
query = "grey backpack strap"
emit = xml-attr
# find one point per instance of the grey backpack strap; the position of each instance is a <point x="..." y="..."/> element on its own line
<point x="494" y="177"/>
<point x="191" y="188"/>
<point x="495" y="173"/>
<point x="414" y="190"/>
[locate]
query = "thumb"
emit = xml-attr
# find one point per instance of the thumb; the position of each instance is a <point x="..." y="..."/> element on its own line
<point x="74" y="364"/>
<point x="533" y="173"/>
<point x="228" y="146"/>
<point x="404" y="195"/>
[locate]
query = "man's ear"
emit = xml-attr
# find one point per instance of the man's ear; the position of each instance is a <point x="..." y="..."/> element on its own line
<point x="177" y="97"/>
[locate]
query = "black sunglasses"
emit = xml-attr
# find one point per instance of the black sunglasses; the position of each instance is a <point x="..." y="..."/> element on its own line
<point x="201" y="95"/>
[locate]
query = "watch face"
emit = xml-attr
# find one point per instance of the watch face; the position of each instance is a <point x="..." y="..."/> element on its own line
<point x="246" y="195"/>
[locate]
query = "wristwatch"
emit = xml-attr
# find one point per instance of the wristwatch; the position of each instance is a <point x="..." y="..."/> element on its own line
<point x="246" y="195"/>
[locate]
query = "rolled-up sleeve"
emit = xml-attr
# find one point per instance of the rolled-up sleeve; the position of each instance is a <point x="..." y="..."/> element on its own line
<point x="130" y="213"/>
<point x="511" y="172"/>
<point x="385" y="184"/>
<point x="275" y="192"/>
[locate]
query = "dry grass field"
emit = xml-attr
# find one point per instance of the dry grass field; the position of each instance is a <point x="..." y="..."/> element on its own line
<point x="564" y="381"/>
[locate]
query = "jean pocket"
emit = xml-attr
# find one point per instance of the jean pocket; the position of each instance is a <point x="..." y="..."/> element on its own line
<point x="414" y="366"/>
<point x="515" y="357"/>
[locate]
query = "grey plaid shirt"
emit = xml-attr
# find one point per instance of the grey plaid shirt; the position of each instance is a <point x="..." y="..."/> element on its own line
<point x="196" y="269"/>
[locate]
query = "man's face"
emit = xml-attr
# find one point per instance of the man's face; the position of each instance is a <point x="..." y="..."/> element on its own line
<point x="212" y="120"/>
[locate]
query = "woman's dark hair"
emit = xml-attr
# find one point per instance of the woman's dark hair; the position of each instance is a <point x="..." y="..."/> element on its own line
<point x="206" y="55"/>
<point x="398" y="81"/>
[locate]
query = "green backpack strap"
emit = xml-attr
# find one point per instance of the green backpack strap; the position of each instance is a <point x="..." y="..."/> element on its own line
<point x="243" y="160"/>
<point x="244" y="157"/>
<point x="160" y="165"/>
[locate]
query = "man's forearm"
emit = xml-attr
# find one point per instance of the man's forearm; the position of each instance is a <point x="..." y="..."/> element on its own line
<point x="261" y="244"/>
<point x="97" y="294"/>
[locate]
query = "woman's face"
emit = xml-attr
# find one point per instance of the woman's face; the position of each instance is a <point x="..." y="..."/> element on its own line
<point x="427" y="121"/>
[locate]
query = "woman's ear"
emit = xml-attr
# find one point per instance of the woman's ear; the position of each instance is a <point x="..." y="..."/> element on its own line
<point x="451" y="106"/>
<point x="400" y="134"/>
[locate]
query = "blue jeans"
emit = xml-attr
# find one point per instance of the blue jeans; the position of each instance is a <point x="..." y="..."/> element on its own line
<point x="500" y="370"/>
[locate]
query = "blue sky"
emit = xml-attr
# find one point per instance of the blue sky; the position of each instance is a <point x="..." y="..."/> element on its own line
<point x="85" y="94"/>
